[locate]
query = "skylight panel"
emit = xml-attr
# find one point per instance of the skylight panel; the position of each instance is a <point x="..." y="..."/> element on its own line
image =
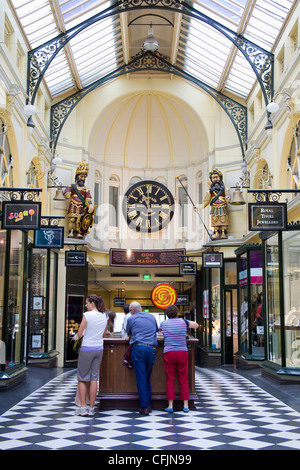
<point x="76" y="11"/>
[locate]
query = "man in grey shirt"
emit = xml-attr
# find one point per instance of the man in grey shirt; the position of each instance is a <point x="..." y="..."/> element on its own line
<point x="142" y="329"/>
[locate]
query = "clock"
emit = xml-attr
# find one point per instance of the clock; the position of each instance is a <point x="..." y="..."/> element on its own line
<point x="148" y="206"/>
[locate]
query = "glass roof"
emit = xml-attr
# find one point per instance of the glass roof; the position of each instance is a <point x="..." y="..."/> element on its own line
<point x="201" y="50"/>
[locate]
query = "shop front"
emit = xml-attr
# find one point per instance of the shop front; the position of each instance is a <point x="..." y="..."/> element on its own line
<point x="251" y="330"/>
<point x="27" y="292"/>
<point x="218" y="320"/>
<point x="281" y="252"/>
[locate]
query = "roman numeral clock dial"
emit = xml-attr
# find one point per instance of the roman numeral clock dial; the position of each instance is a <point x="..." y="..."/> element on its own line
<point x="148" y="206"/>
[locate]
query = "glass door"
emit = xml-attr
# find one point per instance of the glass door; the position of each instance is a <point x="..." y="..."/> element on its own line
<point x="231" y="320"/>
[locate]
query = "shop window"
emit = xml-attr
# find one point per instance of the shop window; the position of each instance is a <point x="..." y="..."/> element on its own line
<point x="273" y="300"/>
<point x="37" y="310"/>
<point x="215" y="309"/>
<point x="244" y="304"/>
<point x="14" y="353"/>
<point x="291" y="273"/>
<point x="251" y="321"/>
<point x="2" y="267"/>
<point x="52" y="302"/>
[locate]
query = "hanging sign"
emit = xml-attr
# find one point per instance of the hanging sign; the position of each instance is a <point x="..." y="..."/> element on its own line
<point x="75" y="258"/>
<point x="182" y="299"/>
<point x="212" y="260"/>
<point x="163" y="295"/>
<point x="268" y="216"/>
<point x="49" y="237"/>
<point x="119" y="301"/>
<point x="187" y="267"/>
<point x="21" y="215"/>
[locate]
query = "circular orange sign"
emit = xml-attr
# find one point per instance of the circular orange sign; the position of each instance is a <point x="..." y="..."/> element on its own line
<point x="163" y="295"/>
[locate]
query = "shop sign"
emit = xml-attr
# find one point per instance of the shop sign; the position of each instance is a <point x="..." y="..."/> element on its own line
<point x="212" y="260"/>
<point x="187" y="267"/>
<point x="75" y="258"/>
<point x="134" y="258"/>
<point x="49" y="237"/>
<point x="268" y="216"/>
<point x="182" y="299"/>
<point x="21" y="215"/>
<point x="119" y="302"/>
<point x="163" y="295"/>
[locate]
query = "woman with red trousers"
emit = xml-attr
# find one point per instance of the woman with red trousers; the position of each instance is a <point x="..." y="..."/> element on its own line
<point x="174" y="330"/>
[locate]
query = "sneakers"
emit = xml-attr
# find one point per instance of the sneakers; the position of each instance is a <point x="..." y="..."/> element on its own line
<point x="85" y="411"/>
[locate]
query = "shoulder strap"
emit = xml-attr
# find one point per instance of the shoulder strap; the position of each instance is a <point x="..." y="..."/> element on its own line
<point x="78" y="193"/>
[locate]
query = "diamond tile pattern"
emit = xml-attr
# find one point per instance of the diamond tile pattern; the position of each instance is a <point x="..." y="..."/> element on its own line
<point x="232" y="414"/>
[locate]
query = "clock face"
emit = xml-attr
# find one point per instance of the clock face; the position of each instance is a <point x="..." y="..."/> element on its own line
<point x="148" y="206"/>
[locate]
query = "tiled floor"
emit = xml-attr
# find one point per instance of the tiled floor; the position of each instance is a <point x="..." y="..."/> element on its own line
<point x="232" y="413"/>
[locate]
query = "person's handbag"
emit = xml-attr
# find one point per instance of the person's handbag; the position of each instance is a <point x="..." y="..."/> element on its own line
<point x="77" y="345"/>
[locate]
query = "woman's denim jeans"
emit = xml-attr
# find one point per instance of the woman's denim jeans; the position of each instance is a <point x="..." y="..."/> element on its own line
<point x="143" y="358"/>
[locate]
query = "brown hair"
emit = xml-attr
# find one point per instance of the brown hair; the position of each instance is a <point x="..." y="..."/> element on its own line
<point x="98" y="301"/>
<point x="171" y="311"/>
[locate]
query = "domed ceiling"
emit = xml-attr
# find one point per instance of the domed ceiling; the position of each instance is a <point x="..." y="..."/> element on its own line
<point x="149" y="130"/>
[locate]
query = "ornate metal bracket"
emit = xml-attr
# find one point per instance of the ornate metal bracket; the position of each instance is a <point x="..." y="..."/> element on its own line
<point x="260" y="60"/>
<point x="270" y="195"/>
<point x="51" y="220"/>
<point x="22" y="194"/>
<point x="150" y="61"/>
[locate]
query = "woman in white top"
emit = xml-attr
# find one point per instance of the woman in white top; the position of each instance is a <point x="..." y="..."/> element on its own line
<point x="93" y="327"/>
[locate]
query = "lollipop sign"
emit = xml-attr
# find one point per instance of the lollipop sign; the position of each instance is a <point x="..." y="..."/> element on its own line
<point x="163" y="295"/>
<point x="21" y="215"/>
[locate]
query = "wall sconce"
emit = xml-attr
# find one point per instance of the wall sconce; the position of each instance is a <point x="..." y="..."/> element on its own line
<point x="273" y="107"/>
<point x="5" y="113"/>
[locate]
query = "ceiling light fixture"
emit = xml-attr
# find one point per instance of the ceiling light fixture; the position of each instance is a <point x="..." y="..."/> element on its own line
<point x="150" y="43"/>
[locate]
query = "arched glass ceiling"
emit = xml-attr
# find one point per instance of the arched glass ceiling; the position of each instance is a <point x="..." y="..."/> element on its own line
<point x="198" y="48"/>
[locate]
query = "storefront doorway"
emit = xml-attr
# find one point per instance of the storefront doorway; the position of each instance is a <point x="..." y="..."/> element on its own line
<point x="231" y="330"/>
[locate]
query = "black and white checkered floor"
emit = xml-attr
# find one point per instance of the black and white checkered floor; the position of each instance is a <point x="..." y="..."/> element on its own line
<point x="232" y="414"/>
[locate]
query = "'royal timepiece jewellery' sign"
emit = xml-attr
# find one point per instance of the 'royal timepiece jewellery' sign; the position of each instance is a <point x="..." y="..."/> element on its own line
<point x="145" y="257"/>
<point x="267" y="216"/>
<point x="21" y="215"/>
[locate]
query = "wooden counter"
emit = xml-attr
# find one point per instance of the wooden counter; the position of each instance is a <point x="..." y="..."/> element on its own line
<point x="117" y="384"/>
